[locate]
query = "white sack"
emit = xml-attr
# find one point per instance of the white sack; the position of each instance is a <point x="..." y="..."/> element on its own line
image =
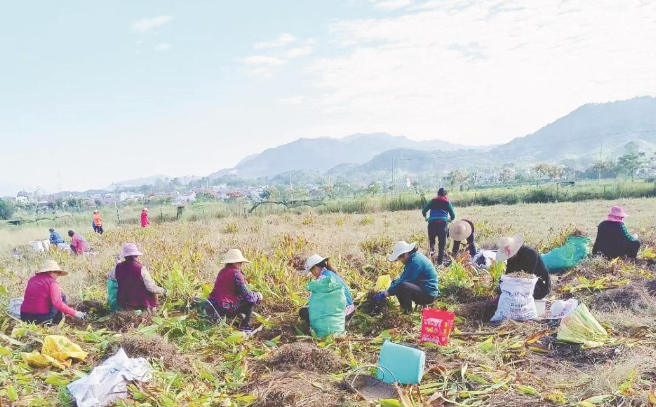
<point x="516" y="301"/>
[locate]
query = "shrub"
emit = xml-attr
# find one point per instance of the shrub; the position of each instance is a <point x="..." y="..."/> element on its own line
<point x="7" y="209"/>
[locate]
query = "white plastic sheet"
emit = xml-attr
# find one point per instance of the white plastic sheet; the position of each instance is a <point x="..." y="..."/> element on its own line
<point x="109" y="381"/>
<point x="15" y="306"/>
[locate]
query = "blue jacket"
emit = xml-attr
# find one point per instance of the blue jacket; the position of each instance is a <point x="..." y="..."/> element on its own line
<point x="347" y="293"/>
<point x="56" y="238"/>
<point x="419" y="270"/>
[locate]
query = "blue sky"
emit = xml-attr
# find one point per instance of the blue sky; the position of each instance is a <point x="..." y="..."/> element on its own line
<point x="92" y="93"/>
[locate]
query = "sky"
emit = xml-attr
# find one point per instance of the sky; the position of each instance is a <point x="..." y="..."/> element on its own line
<point x="93" y="93"/>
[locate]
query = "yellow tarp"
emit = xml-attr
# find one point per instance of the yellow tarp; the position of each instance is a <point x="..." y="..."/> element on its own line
<point x="56" y="351"/>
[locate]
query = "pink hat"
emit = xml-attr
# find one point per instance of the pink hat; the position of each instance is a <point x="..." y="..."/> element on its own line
<point x="130" y="249"/>
<point x="616" y="213"/>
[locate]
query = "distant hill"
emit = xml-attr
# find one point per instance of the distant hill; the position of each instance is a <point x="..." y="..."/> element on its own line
<point x="574" y="140"/>
<point x="151" y="181"/>
<point x="321" y="154"/>
<point x="579" y="135"/>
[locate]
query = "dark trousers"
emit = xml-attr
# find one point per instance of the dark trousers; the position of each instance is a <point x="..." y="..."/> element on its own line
<point x="632" y="249"/>
<point x="304" y="314"/>
<point x="407" y="293"/>
<point x="55" y="316"/>
<point x="439" y="230"/>
<point x="216" y="311"/>
<point x="471" y="246"/>
<point x="98" y="229"/>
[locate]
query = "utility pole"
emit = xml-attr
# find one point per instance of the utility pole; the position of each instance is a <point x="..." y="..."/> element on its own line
<point x="601" y="153"/>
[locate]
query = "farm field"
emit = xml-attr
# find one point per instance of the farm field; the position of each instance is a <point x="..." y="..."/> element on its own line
<point x="196" y="363"/>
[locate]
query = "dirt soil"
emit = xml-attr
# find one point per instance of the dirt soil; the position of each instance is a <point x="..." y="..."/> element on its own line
<point x="298" y="389"/>
<point x="155" y="347"/>
<point x="633" y="296"/>
<point x="125" y="320"/>
<point x="305" y="356"/>
<point x="576" y="354"/>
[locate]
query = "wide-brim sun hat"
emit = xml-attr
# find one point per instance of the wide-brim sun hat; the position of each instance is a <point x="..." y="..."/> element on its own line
<point x="460" y="230"/>
<point x="313" y="261"/>
<point x="234" y="256"/>
<point x="130" y="249"/>
<point x="509" y="246"/>
<point x="401" y="247"/>
<point x="51" y="265"/>
<point x="617" y="212"/>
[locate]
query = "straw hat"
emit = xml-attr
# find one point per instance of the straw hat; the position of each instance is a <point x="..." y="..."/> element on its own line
<point x="460" y="230"/>
<point x="234" y="256"/>
<point x="130" y="249"/>
<point x="145" y="209"/>
<point x="401" y="247"/>
<point x="51" y="265"/>
<point x="509" y="246"/>
<point x="96" y="211"/>
<point x="313" y="261"/>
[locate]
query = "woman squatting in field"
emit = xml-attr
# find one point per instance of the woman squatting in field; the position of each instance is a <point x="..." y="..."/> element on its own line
<point x="230" y="296"/>
<point x="418" y="282"/>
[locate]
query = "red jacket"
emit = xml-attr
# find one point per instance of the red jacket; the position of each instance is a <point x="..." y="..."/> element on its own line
<point x="144" y="219"/>
<point x="132" y="292"/>
<point x="41" y="294"/>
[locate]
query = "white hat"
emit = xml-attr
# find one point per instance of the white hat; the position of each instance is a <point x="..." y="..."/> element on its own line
<point x="51" y="265"/>
<point x="401" y="247"/>
<point x="234" y="256"/>
<point x="145" y="209"/>
<point x="509" y="246"/>
<point x="313" y="261"/>
<point x="460" y="230"/>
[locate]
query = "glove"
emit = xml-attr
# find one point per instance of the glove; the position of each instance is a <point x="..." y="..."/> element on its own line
<point x="258" y="297"/>
<point x="380" y="296"/>
<point x="80" y="314"/>
<point x="167" y="292"/>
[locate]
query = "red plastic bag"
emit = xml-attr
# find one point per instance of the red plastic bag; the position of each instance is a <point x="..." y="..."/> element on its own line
<point x="436" y="326"/>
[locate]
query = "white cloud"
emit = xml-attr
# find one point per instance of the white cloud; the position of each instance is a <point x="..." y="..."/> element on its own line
<point x="147" y="24"/>
<point x="293" y="100"/>
<point x="391" y="5"/>
<point x="299" y="51"/>
<point x="282" y="41"/>
<point x="478" y="71"/>
<point x="263" y="60"/>
<point x="162" y="47"/>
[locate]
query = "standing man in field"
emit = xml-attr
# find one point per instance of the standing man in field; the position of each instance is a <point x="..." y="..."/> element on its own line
<point x="441" y="213"/>
<point x="144" y="218"/>
<point x="97" y="222"/>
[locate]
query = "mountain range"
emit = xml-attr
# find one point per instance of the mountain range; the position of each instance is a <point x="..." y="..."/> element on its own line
<point x="578" y="139"/>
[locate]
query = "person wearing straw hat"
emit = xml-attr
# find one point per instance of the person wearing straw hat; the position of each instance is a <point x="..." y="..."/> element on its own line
<point x="441" y="213"/>
<point x="97" y="222"/>
<point x="521" y="258"/>
<point x="230" y="296"/>
<point x="418" y="282"/>
<point x="43" y="300"/>
<point x="460" y="231"/>
<point x="613" y="239"/>
<point x="144" y="218"/>
<point x="136" y="288"/>
<point x="322" y="267"/>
